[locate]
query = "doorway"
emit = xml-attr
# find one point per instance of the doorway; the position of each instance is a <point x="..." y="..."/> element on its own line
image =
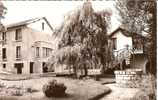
<point x="31" y="67"/>
<point x="45" y="69"/>
<point x="19" y="67"/>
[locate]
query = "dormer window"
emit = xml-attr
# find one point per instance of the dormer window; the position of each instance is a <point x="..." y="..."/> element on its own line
<point x="18" y="34"/>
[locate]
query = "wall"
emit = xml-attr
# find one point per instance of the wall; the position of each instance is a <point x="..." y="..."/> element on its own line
<point x="38" y="26"/>
<point x="37" y="39"/>
<point x="10" y="46"/>
<point x="29" y="37"/>
<point x="122" y="40"/>
<point x="128" y="78"/>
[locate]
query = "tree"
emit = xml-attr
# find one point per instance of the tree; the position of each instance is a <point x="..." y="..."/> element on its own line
<point x="83" y="39"/>
<point x="2" y="13"/>
<point x="140" y="16"/>
<point x="2" y="10"/>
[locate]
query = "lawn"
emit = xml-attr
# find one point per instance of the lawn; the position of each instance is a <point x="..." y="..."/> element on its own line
<point x="76" y="89"/>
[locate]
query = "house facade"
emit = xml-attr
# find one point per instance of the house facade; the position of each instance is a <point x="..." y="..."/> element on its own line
<point x="128" y="49"/>
<point x="25" y="46"/>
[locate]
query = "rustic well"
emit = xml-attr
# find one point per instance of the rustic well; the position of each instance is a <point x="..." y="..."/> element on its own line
<point x="128" y="78"/>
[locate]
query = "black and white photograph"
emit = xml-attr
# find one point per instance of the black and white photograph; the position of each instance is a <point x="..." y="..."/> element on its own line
<point x="78" y="49"/>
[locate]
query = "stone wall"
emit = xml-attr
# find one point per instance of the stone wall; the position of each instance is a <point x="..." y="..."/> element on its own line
<point x="128" y="78"/>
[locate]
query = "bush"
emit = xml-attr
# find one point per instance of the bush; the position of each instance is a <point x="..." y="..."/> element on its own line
<point x="148" y="88"/>
<point x="54" y="89"/>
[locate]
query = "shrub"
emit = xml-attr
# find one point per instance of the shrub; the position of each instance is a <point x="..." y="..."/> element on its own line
<point x="148" y="88"/>
<point x="54" y="89"/>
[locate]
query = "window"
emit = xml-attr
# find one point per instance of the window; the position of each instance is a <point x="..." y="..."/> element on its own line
<point x="46" y="52"/>
<point x="37" y="51"/>
<point x="18" y="34"/>
<point x="114" y="41"/>
<point x="18" y="52"/>
<point x="43" y="26"/>
<point x="4" y="36"/>
<point x="4" y="65"/>
<point x="4" y="57"/>
<point x="19" y="67"/>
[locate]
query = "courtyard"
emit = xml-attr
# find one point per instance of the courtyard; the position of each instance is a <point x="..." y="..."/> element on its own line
<point x="77" y="89"/>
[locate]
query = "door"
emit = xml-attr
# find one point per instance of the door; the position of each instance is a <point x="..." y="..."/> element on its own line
<point x="19" y="67"/>
<point x="45" y="69"/>
<point x="31" y="67"/>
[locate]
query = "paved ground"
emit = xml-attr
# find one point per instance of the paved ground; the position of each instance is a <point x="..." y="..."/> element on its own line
<point x="119" y="93"/>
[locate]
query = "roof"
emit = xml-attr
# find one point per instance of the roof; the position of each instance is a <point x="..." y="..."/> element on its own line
<point x="26" y="22"/>
<point x="124" y="32"/>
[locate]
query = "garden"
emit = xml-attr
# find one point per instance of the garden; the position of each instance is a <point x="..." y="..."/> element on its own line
<point x="58" y="88"/>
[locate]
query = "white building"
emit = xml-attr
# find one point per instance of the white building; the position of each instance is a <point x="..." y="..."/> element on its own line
<point x="129" y="47"/>
<point x="25" y="46"/>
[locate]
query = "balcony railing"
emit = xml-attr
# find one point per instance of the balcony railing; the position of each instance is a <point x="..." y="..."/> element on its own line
<point x="136" y="51"/>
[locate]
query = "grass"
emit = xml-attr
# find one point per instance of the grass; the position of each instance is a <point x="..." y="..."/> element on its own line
<point x="76" y="89"/>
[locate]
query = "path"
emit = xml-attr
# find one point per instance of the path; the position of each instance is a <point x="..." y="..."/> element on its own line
<point x="119" y="93"/>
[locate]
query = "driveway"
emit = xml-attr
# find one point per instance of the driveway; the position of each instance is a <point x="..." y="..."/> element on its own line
<point x="119" y="93"/>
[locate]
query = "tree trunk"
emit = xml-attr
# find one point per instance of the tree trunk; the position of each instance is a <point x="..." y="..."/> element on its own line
<point x="85" y="70"/>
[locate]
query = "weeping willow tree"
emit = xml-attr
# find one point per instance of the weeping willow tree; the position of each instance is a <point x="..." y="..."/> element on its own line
<point x="83" y="40"/>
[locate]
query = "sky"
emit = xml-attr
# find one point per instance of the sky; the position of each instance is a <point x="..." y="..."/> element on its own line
<point x="54" y="11"/>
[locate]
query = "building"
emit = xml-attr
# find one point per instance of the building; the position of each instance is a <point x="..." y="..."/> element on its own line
<point x="128" y="49"/>
<point x="25" y="46"/>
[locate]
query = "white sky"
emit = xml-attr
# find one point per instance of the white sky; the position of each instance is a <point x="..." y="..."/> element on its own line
<point x="54" y="11"/>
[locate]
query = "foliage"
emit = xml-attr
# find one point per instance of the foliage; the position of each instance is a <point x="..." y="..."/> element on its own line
<point x="54" y="89"/>
<point x="139" y="16"/>
<point x="148" y="88"/>
<point x="83" y="39"/>
<point x="2" y="10"/>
